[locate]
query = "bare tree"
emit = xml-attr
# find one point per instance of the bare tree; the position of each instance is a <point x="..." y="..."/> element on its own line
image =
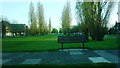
<point x="93" y="18"/>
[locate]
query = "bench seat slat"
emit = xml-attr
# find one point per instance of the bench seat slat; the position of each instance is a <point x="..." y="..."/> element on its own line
<point x="71" y="39"/>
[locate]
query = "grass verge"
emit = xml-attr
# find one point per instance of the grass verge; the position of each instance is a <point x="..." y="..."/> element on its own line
<point x="49" y="43"/>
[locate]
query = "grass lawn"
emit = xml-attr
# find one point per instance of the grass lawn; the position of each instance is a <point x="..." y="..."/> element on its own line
<point x="49" y="43"/>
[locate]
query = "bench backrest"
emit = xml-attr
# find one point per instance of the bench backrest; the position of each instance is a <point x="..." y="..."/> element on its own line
<point x="72" y="39"/>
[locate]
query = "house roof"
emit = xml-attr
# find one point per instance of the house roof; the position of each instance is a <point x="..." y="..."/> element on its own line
<point x="18" y="27"/>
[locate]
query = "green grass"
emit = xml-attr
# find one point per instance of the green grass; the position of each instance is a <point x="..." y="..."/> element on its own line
<point x="49" y="43"/>
<point x="108" y="43"/>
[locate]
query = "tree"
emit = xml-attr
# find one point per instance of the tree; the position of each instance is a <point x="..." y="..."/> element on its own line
<point x="41" y="21"/>
<point x="50" y="26"/>
<point x="60" y="30"/>
<point x="74" y="29"/>
<point x="93" y="17"/>
<point x="54" y="30"/>
<point x="46" y="30"/>
<point x="26" y="30"/>
<point x="5" y="26"/>
<point x="66" y="19"/>
<point x="33" y="20"/>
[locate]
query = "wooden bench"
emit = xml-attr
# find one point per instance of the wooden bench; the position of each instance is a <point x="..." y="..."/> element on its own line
<point x="72" y="39"/>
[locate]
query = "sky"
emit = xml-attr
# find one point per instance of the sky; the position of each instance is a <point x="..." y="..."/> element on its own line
<point x="18" y="11"/>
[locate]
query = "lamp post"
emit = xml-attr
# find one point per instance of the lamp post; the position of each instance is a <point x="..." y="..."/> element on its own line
<point x="117" y="24"/>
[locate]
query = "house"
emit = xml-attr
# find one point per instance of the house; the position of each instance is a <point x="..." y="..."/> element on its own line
<point x="16" y="30"/>
<point x="115" y="29"/>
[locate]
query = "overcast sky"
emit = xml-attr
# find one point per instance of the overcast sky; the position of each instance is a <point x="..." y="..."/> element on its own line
<point x="52" y="9"/>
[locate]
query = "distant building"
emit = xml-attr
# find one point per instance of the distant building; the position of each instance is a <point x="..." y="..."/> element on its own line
<point x="115" y="29"/>
<point x="16" y="30"/>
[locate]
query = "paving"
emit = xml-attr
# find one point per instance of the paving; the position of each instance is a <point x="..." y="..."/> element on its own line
<point x="65" y="56"/>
